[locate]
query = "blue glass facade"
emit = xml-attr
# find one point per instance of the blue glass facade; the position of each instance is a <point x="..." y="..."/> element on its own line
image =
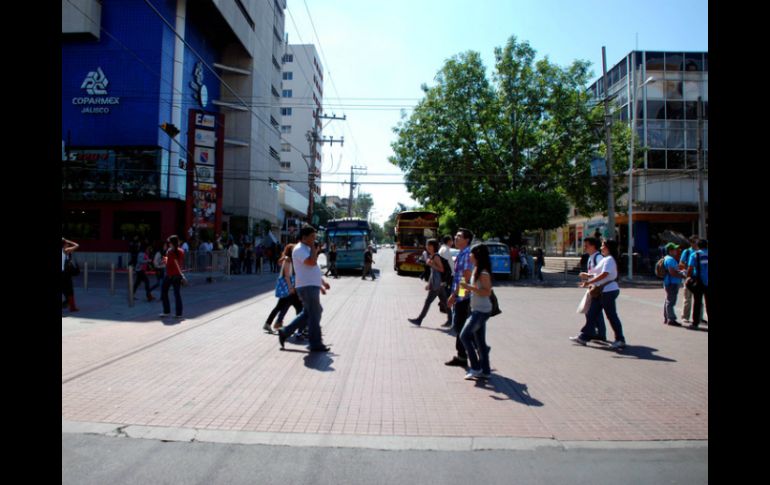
<point x="116" y="91"/>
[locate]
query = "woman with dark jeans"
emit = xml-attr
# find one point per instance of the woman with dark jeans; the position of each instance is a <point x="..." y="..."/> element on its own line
<point x="539" y="263"/>
<point x="174" y="259"/>
<point x="435" y="286"/>
<point x="283" y="305"/>
<point x="607" y="274"/>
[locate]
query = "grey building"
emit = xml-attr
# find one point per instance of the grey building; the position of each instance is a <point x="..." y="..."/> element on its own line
<point x="664" y="111"/>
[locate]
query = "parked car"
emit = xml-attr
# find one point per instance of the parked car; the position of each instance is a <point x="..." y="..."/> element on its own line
<point x="500" y="255"/>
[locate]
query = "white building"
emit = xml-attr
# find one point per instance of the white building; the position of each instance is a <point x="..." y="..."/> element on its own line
<point x="252" y="131"/>
<point x="301" y="100"/>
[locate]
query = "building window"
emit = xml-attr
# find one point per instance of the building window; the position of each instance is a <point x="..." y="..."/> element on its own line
<point x="691" y="159"/>
<point x="288" y="76"/>
<point x="286" y="165"/>
<point x="656" y="134"/>
<point x="127" y="224"/>
<point x="287" y="58"/>
<point x="674" y="110"/>
<point x="286" y="129"/>
<point x="656" y="159"/>
<point x="655" y="61"/>
<point x="673" y="89"/>
<point x="656" y="110"/>
<point x="693" y="62"/>
<point x="675" y="160"/>
<point x="674" y="61"/>
<point x="80" y="224"/>
<point x="112" y="174"/>
<point x="675" y="134"/>
<point x="286" y="111"/>
<point x="287" y="93"/>
<point x="285" y="147"/>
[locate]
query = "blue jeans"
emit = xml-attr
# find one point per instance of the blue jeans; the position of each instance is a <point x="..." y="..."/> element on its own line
<point x="608" y="305"/>
<point x="672" y="292"/>
<point x="473" y="337"/>
<point x="309" y="317"/>
<point x="176" y="282"/>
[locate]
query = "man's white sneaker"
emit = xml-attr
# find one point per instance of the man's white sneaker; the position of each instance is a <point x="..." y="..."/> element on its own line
<point x="578" y="340"/>
<point x="618" y="344"/>
<point x="472" y="374"/>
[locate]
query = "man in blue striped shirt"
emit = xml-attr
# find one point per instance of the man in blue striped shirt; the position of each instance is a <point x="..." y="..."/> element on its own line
<point x="460" y="305"/>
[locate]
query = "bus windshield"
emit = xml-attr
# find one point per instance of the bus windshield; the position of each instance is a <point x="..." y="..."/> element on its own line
<point x="348" y="242"/>
<point x="415" y="238"/>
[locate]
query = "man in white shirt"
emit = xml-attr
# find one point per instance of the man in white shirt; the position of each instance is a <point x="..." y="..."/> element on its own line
<point x="595" y="327"/>
<point x="309" y="285"/>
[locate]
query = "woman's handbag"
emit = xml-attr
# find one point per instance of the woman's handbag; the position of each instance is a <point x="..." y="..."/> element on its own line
<point x="281" y="288"/>
<point x="495" y="305"/>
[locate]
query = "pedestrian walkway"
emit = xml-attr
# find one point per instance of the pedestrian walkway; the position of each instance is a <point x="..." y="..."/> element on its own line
<point x="217" y="370"/>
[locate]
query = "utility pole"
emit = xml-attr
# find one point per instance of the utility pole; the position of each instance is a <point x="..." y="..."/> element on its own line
<point x="699" y="159"/>
<point x="352" y="184"/>
<point x="313" y="139"/>
<point x="607" y="128"/>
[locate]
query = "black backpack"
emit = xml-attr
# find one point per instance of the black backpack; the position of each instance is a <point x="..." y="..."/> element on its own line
<point x="446" y="276"/>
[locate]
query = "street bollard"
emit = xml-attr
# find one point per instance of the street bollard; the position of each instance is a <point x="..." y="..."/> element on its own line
<point x="130" y="286"/>
<point x="112" y="279"/>
<point x="85" y="276"/>
<point x="565" y="271"/>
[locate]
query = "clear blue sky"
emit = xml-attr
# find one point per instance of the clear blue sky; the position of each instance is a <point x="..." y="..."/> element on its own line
<point x="379" y="53"/>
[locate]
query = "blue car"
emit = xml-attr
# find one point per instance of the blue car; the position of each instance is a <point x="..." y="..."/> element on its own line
<point x="500" y="255"/>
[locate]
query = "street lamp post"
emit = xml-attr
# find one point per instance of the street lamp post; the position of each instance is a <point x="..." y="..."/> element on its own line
<point x="650" y="79"/>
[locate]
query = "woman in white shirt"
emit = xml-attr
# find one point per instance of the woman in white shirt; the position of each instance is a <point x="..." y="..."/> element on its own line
<point x="607" y="274"/>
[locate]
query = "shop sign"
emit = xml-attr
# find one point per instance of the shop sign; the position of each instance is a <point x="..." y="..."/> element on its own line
<point x="95" y="85"/>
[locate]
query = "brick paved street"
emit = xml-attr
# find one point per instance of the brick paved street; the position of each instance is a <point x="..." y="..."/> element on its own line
<point x="218" y="370"/>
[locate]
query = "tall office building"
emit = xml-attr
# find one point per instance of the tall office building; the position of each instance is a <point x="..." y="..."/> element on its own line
<point x="301" y="101"/>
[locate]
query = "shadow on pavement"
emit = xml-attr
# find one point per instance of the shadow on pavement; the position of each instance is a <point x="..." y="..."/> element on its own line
<point x="514" y="391"/>
<point x="640" y="352"/>
<point x="319" y="361"/>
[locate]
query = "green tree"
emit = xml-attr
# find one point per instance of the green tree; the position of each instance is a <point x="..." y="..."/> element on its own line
<point x="362" y="205"/>
<point x="505" y="155"/>
<point x="378" y="233"/>
<point x="390" y="225"/>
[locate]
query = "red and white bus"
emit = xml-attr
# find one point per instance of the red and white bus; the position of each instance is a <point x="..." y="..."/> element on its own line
<point x="413" y="229"/>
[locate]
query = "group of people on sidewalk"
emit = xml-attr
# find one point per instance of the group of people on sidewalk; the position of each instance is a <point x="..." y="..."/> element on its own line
<point x="166" y="262"/>
<point x="468" y="304"/>
<point x="691" y="268"/>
